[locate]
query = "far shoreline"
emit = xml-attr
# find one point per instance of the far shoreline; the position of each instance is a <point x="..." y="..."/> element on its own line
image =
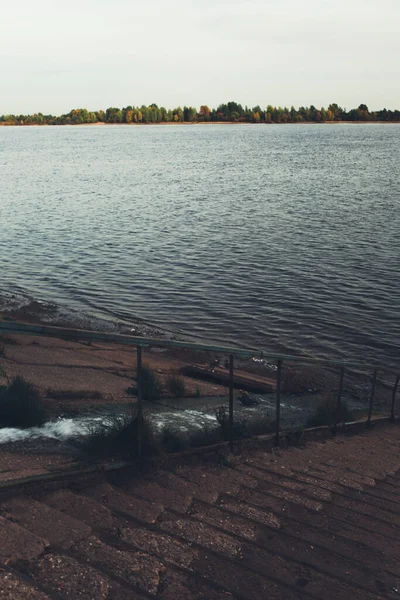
<point x="191" y="124"/>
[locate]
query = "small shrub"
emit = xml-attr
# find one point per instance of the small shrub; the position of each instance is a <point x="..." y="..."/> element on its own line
<point x="176" y="385"/>
<point x="221" y="416"/>
<point x="205" y="436"/>
<point x="326" y="413"/>
<point x="21" y="405"/>
<point x="240" y="428"/>
<point x="173" y="440"/>
<point x="3" y="374"/>
<point x="151" y="386"/>
<point x="260" y="426"/>
<point x="131" y="390"/>
<point x="117" y="436"/>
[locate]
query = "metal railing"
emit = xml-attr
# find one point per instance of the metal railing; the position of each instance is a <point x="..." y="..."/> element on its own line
<point x="12" y="327"/>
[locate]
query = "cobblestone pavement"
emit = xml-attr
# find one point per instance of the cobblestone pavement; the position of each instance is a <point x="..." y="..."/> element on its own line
<point x="319" y="522"/>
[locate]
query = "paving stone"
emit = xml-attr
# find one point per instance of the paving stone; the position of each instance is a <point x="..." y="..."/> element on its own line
<point x="263" y="517"/>
<point x="116" y="499"/>
<point x="200" y="533"/>
<point x="45" y="522"/>
<point x="70" y="580"/>
<point x="82" y="508"/>
<point x="13" y="588"/>
<point x="17" y="543"/>
<point x="175" y="551"/>
<point x="134" y="567"/>
<point x="168" y="498"/>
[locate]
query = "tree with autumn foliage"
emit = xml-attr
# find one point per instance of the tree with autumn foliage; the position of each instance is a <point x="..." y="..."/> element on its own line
<point x="230" y="112"/>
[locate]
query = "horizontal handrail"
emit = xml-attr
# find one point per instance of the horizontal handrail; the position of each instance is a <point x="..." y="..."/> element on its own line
<point x="14" y="327"/>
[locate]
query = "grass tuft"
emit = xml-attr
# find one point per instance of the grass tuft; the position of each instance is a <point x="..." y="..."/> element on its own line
<point x="21" y="405"/>
<point x="151" y="385"/>
<point x="117" y="436"/>
<point x="326" y="413"/>
<point x="176" y="385"/>
<point x="173" y="439"/>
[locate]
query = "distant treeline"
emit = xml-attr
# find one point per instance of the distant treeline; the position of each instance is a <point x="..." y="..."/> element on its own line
<point x="231" y="112"/>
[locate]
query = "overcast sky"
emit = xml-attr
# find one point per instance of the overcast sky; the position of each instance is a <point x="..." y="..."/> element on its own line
<point x="55" y="55"/>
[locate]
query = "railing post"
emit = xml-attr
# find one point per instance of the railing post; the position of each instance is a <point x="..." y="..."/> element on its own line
<point x="231" y="433"/>
<point x="139" y="414"/>
<point x="278" y="402"/>
<point x="371" y="399"/>
<point x="394" y="396"/>
<point x="339" y="398"/>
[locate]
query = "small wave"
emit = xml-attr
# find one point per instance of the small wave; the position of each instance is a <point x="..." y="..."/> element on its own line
<point x="62" y="430"/>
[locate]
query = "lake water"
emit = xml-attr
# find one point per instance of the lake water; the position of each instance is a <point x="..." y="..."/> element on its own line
<point x="280" y="237"/>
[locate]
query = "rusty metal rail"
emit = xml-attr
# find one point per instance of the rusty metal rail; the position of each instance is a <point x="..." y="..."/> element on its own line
<point x="11" y="327"/>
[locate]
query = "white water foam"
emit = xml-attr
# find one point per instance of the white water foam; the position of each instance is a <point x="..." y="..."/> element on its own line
<point x="62" y="429"/>
<point x="66" y="429"/>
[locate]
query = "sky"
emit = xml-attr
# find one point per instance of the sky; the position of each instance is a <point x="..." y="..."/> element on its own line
<point x="55" y="56"/>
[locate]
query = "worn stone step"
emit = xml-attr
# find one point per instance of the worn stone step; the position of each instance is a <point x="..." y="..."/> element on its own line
<point x="272" y="472"/>
<point x="324" y="585"/>
<point x="369" y="522"/>
<point x="202" y="534"/>
<point x="386" y="491"/>
<point x="315" y="519"/>
<point x="155" y="493"/>
<point x="43" y="521"/>
<point x="117" y="500"/>
<point x="13" y="587"/>
<point x="333" y="556"/>
<point x="220" y="560"/>
<point x="347" y="512"/>
<point x="375" y="499"/>
<point x="343" y="478"/>
<point x="296" y="497"/>
<point x="17" y="543"/>
<point x="391" y="484"/>
<point x="217" y="479"/>
<point x="135" y="568"/>
<point x="213" y="515"/>
<point x="242" y="509"/>
<point x="83" y="508"/>
<point x="287" y="482"/>
<point x="367" y="506"/>
<point x="69" y="579"/>
<point x="176" y="553"/>
<point x="179" y="553"/>
<point x="189" y="587"/>
<point x="186" y="487"/>
<point x="296" y="548"/>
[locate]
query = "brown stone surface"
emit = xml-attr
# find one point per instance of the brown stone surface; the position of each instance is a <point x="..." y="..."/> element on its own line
<point x="83" y="509"/>
<point x="135" y="568"/>
<point x="17" y="543"/>
<point x="301" y="523"/>
<point x="13" y="588"/>
<point x="38" y="518"/>
<point x="118" y="500"/>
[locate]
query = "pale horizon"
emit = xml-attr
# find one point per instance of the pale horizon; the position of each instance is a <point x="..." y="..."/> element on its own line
<point x="252" y="52"/>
